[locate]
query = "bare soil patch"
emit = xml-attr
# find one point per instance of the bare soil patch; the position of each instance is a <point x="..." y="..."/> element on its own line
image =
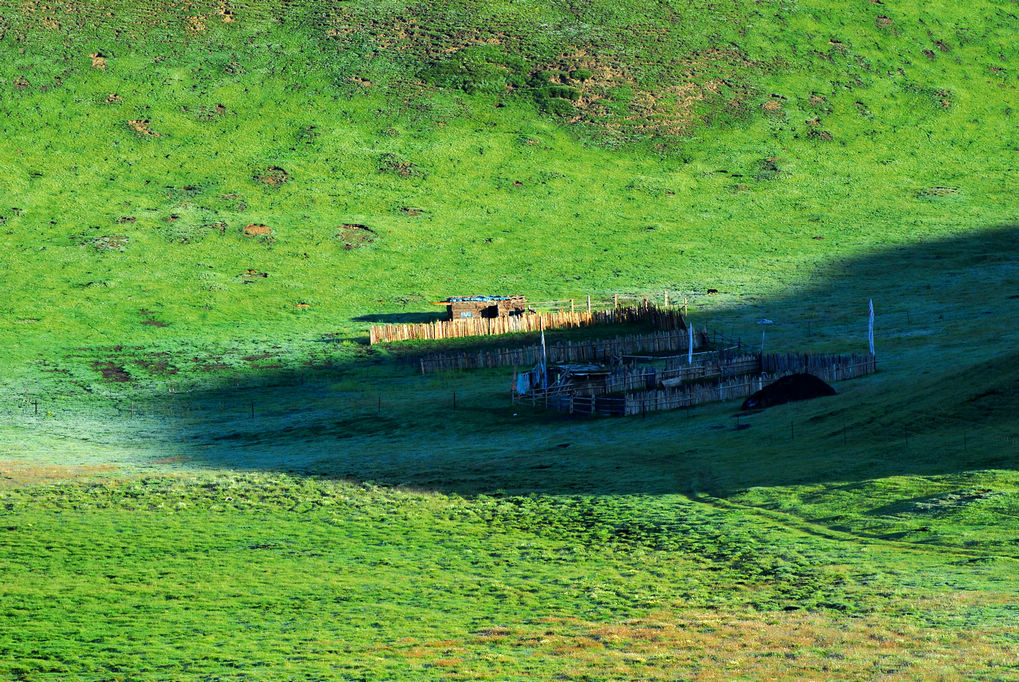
<point x="256" y="230"/>
<point x="391" y="163"/>
<point x="157" y="364"/>
<point x="17" y="473"/>
<point x="355" y="236"/>
<point x="773" y="107"/>
<point x="111" y="242"/>
<point x="111" y="371"/>
<point x="150" y="319"/>
<point x="272" y="176"/>
<point x="141" y="126"/>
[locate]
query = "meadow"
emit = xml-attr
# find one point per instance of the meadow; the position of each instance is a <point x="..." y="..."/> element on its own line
<point x="206" y="472"/>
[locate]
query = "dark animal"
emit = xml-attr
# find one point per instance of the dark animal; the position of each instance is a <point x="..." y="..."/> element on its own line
<point x="788" y="389"/>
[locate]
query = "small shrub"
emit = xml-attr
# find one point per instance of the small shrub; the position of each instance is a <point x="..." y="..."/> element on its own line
<point x="564" y="92"/>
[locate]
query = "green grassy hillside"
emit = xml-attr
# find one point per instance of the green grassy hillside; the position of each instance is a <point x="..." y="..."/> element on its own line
<point x="206" y="473"/>
<point x="695" y="145"/>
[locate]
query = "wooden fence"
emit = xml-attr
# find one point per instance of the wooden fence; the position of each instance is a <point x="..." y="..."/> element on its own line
<point x="831" y="368"/>
<point x="587" y="350"/>
<point x="660" y="318"/>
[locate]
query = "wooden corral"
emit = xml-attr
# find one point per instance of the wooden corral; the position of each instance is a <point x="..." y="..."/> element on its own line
<point x="568" y="351"/>
<point x="645" y="313"/>
<point x="713" y="378"/>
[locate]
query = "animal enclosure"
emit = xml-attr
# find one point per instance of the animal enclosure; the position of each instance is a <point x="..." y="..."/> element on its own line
<point x="713" y="378"/>
<point x="644" y="313"/>
<point x="586" y="350"/>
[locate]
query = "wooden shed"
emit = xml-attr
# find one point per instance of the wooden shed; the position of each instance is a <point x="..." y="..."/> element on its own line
<point x="465" y="307"/>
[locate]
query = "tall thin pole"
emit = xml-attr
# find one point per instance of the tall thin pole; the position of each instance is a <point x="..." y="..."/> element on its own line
<point x="544" y="360"/>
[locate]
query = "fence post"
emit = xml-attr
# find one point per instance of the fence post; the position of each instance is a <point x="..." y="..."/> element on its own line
<point x="589" y="304"/>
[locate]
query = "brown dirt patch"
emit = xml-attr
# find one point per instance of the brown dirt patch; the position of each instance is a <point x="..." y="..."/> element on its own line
<point x="150" y="319"/>
<point x="112" y="242"/>
<point x="113" y="98"/>
<point x="355" y="236"/>
<point x="883" y="22"/>
<point x="157" y="364"/>
<point x="259" y="356"/>
<point x="773" y="107"/>
<point x="411" y="211"/>
<point x="20" y="83"/>
<point x="822" y="135"/>
<point x="256" y="230"/>
<point x="213" y="367"/>
<point x="391" y="163"/>
<point x="141" y="126"/>
<point x="98" y="60"/>
<point x="18" y="473"/>
<point x="111" y="371"/>
<point x="171" y="459"/>
<point x="668" y="109"/>
<point x="251" y="275"/>
<point x="273" y="175"/>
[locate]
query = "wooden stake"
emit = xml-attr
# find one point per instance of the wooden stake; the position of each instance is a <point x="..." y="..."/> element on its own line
<point x="589" y="304"/>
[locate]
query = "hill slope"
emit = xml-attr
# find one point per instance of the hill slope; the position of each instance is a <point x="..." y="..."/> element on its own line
<point x="548" y="148"/>
<point x="197" y="470"/>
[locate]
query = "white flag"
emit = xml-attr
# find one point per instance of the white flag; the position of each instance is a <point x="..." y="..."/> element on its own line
<point x="870" y="328"/>
<point x="544" y="359"/>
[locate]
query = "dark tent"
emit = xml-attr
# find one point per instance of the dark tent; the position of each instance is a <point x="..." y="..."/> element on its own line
<point x="787" y="389"/>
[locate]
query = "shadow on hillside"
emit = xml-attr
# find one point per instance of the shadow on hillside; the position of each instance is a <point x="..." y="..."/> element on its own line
<point x="946" y="308"/>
